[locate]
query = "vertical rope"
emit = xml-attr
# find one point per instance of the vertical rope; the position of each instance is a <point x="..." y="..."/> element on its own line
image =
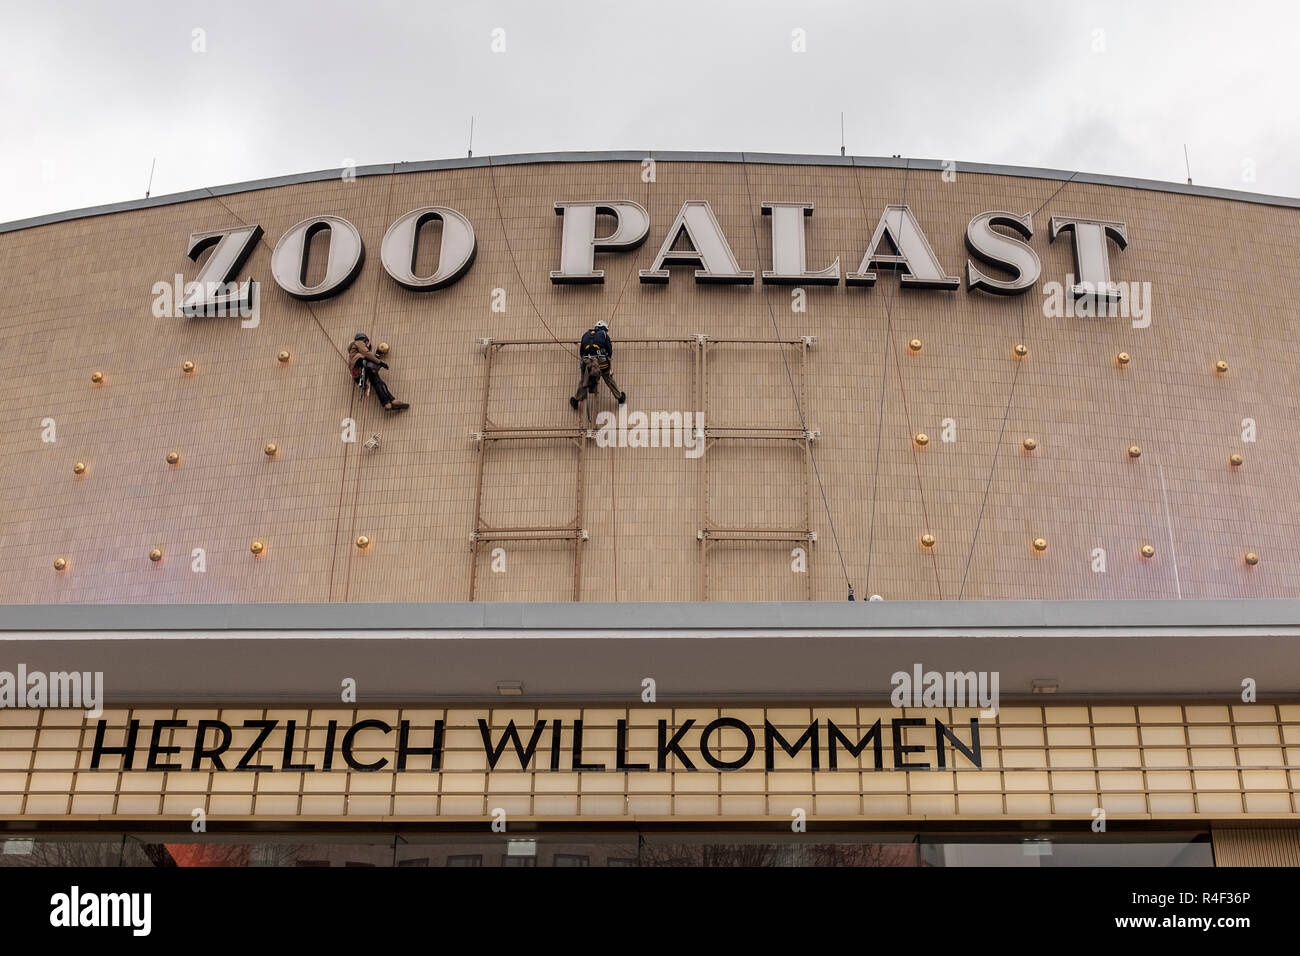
<point x="803" y="422"/>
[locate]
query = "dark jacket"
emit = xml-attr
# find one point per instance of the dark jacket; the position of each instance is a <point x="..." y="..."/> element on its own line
<point x="594" y="340"/>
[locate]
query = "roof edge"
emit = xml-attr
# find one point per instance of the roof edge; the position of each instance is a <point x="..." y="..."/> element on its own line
<point x="1195" y="615"/>
<point x="616" y="156"/>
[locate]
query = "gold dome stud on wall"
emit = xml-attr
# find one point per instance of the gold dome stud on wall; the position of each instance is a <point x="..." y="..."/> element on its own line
<point x="382" y="349"/>
<point x="155" y="554"/>
<point x="283" y="357"/>
<point x="1029" y="444"/>
<point x="1252" y="558"/>
<point x="1040" y="544"/>
<point x="187" y="367"/>
<point x="270" y="449"/>
<point x="1122" y="358"/>
<point x="927" y="541"/>
<point x="363" y="542"/>
<point x="1235" y="460"/>
<point x="1148" y="551"/>
<point x="79" y="468"/>
<point x="1135" y="451"/>
<point x="257" y="547"/>
<point x="914" y="345"/>
<point x="60" y="564"/>
<point x="922" y="439"/>
<point x="1220" y="366"/>
<point x="1020" y="350"/>
<point x="173" y="457"/>
<point x="97" y="378"/>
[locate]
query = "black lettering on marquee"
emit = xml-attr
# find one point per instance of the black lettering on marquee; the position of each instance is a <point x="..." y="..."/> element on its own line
<point x="511" y="735"/>
<point x="620" y="751"/>
<point x="718" y="724"/>
<point x="972" y="753"/>
<point x="351" y="735"/>
<point x="290" y="727"/>
<point x="773" y="736"/>
<point x="673" y="746"/>
<point x="527" y="751"/>
<point x="331" y="731"/>
<point x="900" y="751"/>
<point x="834" y="734"/>
<point x="155" y="748"/>
<point x="127" y="751"/>
<point x="213" y="753"/>
<point x="245" y="762"/>
<point x="556" y="727"/>
<point x="404" y="748"/>
<point x="577" y="750"/>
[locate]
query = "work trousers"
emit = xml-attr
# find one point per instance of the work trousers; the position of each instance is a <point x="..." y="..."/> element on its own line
<point x="377" y="383"/>
<point x="591" y="374"/>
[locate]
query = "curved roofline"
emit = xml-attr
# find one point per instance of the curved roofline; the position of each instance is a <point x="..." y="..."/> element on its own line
<point x="617" y="156"/>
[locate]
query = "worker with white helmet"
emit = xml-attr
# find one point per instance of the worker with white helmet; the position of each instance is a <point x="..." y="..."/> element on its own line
<point x="595" y="358"/>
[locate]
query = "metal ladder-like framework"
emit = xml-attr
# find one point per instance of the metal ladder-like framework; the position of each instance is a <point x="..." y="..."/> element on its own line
<point x="579" y="435"/>
<point x="711" y="533"/>
<point x="490" y="433"/>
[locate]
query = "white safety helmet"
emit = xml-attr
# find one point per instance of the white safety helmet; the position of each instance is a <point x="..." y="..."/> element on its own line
<point x="602" y="324"/>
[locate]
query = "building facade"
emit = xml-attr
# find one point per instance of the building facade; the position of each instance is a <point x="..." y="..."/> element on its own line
<point x="1044" y="417"/>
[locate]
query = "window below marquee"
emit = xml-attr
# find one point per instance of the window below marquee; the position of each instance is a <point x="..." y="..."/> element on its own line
<point x="965" y="848"/>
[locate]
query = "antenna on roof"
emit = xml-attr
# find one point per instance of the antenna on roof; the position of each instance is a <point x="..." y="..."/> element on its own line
<point x="471" y="138"/>
<point x="841" y="132"/>
<point x="1188" y="163"/>
<point x="148" y="189"/>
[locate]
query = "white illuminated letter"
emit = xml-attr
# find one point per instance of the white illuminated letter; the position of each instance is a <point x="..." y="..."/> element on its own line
<point x="790" y="249"/>
<point x="1007" y="252"/>
<point x="1091" y="254"/>
<point x="708" y="249"/>
<point x="289" y="258"/>
<point x="579" y="242"/>
<point x="215" y="291"/>
<point x="455" y="252"/>
<point x="912" y="254"/>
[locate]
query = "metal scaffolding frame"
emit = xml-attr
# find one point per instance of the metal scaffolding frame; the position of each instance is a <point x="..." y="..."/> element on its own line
<point x="709" y="532"/>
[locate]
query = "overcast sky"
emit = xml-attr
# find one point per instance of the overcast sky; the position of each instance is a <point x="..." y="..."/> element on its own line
<point x="93" y="92"/>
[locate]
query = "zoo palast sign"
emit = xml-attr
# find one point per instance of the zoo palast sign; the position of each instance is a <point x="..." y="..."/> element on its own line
<point x="995" y="239"/>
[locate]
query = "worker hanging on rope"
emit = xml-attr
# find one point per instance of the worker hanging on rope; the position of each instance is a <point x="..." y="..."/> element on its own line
<point x="365" y="366"/>
<point x="595" y="357"/>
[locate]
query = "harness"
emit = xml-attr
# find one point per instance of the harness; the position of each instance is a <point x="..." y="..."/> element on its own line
<point x="358" y="369"/>
<point x="591" y="349"/>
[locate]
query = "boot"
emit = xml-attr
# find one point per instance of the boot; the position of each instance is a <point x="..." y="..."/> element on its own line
<point x="573" y="403"/>
<point x="397" y="406"/>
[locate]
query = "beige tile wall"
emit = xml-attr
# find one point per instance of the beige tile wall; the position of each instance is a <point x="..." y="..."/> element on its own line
<point x="76" y="298"/>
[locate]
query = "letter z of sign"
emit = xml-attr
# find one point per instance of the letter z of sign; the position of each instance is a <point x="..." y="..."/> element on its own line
<point x="245" y="761"/>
